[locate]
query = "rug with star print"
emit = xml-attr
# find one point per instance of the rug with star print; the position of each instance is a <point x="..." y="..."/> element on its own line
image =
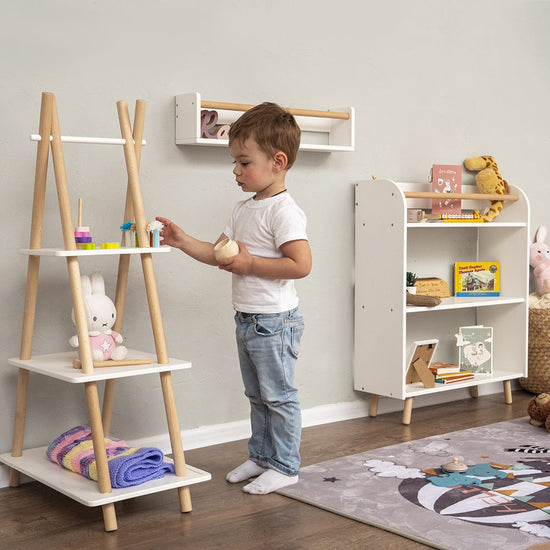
<point x="502" y="499"/>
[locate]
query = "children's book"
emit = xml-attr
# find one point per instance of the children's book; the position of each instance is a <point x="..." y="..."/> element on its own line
<point x="439" y="367"/>
<point x="453" y="380"/>
<point x="446" y="178"/>
<point x="475" y="349"/>
<point x="477" y="278"/>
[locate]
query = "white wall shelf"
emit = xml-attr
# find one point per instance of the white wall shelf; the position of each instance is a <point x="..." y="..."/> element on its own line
<point x="321" y="131"/>
<point x="430" y="250"/>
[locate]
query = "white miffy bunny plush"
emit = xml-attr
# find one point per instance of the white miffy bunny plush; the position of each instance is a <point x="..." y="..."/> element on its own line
<point x="101" y="316"/>
<point x="539" y="260"/>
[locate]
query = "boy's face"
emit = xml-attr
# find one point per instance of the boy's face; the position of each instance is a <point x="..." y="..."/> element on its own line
<point x="255" y="171"/>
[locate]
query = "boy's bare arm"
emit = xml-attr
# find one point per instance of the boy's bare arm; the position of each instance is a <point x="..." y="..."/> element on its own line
<point x="174" y="236"/>
<point x="295" y="263"/>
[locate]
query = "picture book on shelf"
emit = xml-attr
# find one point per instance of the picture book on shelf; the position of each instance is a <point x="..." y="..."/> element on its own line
<point x="477" y="278"/>
<point x="475" y="349"/>
<point x="446" y="178"/>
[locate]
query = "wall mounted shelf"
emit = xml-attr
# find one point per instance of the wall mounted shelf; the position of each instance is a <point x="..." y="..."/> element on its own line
<point x="322" y="131"/>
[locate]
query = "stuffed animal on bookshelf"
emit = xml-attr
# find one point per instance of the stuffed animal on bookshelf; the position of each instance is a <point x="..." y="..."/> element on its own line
<point x="539" y="411"/>
<point x="539" y="259"/>
<point x="100" y="316"/>
<point x="488" y="180"/>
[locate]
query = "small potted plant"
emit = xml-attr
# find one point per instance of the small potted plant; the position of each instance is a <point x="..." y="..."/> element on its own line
<point x="410" y="281"/>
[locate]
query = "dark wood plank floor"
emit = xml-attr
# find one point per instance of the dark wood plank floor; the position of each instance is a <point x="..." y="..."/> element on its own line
<point x="35" y="517"/>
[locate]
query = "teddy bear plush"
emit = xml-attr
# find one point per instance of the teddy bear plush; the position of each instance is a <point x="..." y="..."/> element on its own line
<point x="488" y="180"/>
<point x="100" y="316"/>
<point x="539" y="260"/>
<point x="539" y="411"/>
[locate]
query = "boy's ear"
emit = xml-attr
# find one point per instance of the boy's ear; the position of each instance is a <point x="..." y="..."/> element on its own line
<point x="280" y="161"/>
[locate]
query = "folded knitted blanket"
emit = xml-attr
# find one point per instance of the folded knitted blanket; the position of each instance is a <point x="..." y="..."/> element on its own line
<point x="128" y="466"/>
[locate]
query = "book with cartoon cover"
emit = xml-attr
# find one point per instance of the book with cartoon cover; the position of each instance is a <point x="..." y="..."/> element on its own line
<point x="475" y="349"/>
<point x="477" y="278"/>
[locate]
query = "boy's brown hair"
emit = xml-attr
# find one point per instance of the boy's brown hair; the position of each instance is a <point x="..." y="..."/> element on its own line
<point x="272" y="127"/>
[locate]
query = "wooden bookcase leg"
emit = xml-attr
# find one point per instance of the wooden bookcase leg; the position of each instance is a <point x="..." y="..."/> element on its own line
<point x="373" y="405"/>
<point x="474" y="391"/>
<point x="407" y="411"/>
<point x="507" y="392"/>
<point x="175" y="437"/>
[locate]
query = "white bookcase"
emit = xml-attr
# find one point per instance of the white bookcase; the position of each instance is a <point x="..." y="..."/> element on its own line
<point x="387" y="246"/>
<point x="322" y="131"/>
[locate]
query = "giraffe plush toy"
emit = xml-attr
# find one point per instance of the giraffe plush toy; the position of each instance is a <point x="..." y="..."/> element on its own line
<point x="488" y="180"/>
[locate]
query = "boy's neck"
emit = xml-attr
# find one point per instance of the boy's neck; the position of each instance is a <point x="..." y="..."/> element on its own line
<point x="256" y="198"/>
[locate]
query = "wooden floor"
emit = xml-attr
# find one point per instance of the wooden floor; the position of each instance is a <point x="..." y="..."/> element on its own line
<point x="35" y="517"/>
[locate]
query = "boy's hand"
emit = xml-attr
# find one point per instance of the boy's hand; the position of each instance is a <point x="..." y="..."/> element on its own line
<point x="171" y="234"/>
<point x="241" y="264"/>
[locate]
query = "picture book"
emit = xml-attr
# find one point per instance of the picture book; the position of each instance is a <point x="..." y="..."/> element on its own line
<point x="439" y="367"/>
<point x="477" y="278"/>
<point x="475" y="349"/>
<point x="446" y="178"/>
<point x="455" y="379"/>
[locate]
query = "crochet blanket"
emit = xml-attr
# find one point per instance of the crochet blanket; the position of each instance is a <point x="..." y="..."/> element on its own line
<point x="128" y="466"/>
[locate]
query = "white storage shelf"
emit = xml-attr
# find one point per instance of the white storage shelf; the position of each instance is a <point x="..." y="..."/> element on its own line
<point x="35" y="464"/>
<point x="387" y="247"/>
<point x="97" y="252"/>
<point x="60" y="366"/>
<point x="318" y="133"/>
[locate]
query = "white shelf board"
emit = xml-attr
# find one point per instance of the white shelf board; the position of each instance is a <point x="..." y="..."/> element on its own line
<point x="303" y="146"/>
<point x="461" y="302"/>
<point x="60" y="366"/>
<point x="35" y="464"/>
<point x="454" y="225"/>
<point x="97" y="252"/>
<point x="417" y="388"/>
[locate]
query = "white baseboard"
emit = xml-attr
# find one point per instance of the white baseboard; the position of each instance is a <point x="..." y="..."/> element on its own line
<point x="205" y="436"/>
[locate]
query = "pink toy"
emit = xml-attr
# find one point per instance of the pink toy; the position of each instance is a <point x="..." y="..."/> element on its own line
<point x="101" y="316"/>
<point x="539" y="260"/>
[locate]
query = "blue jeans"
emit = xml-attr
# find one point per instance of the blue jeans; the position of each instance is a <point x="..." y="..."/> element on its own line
<point x="268" y="346"/>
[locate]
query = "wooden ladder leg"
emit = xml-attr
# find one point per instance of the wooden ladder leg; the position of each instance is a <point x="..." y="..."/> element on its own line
<point x="19" y="425"/>
<point x="373" y="405"/>
<point x="175" y="438"/>
<point x="507" y="392"/>
<point x="33" y="270"/>
<point x="407" y="411"/>
<point x="98" y="440"/>
<point x="123" y="264"/>
<point x="154" y="305"/>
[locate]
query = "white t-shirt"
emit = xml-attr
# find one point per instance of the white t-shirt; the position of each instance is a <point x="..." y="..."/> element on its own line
<point x="263" y="226"/>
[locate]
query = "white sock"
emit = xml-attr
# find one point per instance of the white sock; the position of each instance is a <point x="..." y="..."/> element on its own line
<point x="245" y="471"/>
<point x="268" y="482"/>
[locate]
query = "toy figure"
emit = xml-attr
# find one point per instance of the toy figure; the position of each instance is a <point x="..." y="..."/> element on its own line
<point x="539" y="260"/>
<point x="101" y="316"/>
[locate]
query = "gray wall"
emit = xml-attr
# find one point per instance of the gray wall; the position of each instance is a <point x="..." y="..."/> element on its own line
<point x="431" y="81"/>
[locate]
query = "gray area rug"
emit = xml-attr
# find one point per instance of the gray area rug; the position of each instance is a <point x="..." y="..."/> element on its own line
<point x="501" y="501"/>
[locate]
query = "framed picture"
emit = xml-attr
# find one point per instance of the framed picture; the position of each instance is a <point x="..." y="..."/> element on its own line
<point x="419" y="363"/>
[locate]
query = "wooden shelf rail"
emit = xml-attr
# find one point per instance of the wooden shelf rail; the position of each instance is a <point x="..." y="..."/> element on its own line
<point x="296" y="112"/>
<point x="468" y="196"/>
